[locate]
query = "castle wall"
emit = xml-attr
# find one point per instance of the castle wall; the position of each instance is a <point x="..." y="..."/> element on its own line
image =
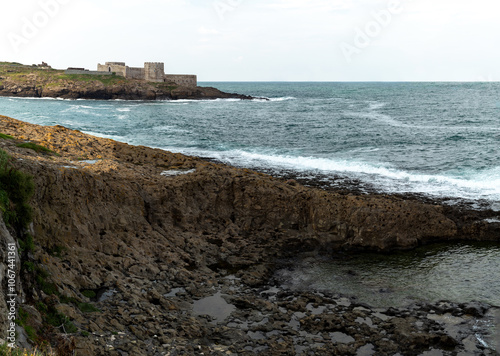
<point x="119" y="69"/>
<point x="85" y="71"/>
<point x="187" y="80"/>
<point x="154" y="71"/>
<point x="135" y="73"/>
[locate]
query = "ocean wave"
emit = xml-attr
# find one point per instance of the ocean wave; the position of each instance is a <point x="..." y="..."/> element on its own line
<point x="382" y="118"/>
<point x="266" y="99"/>
<point x="374" y="105"/>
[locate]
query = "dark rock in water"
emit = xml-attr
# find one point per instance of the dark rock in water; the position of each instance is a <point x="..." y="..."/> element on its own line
<point x="476" y="309"/>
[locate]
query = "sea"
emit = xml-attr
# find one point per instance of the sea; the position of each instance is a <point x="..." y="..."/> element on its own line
<point x="436" y="140"/>
<point x="440" y="140"/>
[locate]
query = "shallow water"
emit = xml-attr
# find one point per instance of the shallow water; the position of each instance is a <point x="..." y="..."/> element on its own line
<point x="214" y="306"/>
<point x="457" y="273"/>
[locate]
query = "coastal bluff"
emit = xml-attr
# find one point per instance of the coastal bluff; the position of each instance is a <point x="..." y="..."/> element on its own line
<point x="149" y="232"/>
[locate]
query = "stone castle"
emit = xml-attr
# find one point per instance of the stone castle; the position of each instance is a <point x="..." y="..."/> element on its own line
<point x="152" y="72"/>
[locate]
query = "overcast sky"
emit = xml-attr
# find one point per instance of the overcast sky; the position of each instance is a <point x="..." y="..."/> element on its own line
<point x="263" y="40"/>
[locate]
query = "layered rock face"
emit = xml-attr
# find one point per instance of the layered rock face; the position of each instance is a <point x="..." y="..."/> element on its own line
<point x="131" y="223"/>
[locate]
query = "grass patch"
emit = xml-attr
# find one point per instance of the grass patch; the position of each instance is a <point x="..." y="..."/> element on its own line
<point x="87" y="308"/>
<point x="10" y="64"/>
<point x="35" y="147"/>
<point x="6" y="137"/>
<point x="104" y="79"/>
<point x="89" y="294"/>
<point x="48" y="288"/>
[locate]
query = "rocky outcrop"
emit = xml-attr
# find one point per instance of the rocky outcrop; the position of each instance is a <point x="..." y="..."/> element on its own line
<point x="137" y="225"/>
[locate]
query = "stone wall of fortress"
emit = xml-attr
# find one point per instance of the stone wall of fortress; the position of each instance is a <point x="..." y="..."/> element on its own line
<point x="118" y="67"/>
<point x="135" y="73"/>
<point x="89" y="72"/>
<point x="152" y="72"/>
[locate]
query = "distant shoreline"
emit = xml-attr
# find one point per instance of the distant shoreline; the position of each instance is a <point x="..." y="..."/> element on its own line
<point x="41" y="82"/>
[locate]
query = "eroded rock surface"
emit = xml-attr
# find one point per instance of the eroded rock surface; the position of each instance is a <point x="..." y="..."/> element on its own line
<point x="149" y="241"/>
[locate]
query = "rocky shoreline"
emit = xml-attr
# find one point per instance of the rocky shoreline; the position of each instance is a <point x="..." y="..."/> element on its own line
<point x="174" y="255"/>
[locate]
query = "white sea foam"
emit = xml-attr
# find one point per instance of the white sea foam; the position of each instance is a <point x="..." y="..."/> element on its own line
<point x="123" y="109"/>
<point x="385" y="119"/>
<point x="284" y="98"/>
<point x="374" y="105"/>
<point x="477" y="185"/>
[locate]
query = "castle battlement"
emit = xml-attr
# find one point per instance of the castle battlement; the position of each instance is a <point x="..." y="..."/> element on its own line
<point x="151" y="72"/>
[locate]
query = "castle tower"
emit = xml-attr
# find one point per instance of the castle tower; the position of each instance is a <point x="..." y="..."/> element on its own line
<point x="154" y="71"/>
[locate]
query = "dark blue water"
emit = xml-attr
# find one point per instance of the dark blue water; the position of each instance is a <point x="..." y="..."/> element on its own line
<point x="439" y="139"/>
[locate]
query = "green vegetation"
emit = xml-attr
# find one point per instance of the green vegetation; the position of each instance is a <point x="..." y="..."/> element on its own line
<point x="57" y="251"/>
<point x="28" y="266"/>
<point x="47" y="287"/>
<point x="56" y="319"/>
<point x="6" y="137"/>
<point x="35" y="147"/>
<point x="16" y="188"/>
<point x="89" y="294"/>
<point x="104" y="79"/>
<point x="27" y="243"/>
<point x="87" y="308"/>
<point x="22" y="320"/>
<point x="60" y="321"/>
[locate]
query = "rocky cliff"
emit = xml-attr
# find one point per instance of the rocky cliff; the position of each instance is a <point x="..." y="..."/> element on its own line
<point x="26" y="81"/>
<point x="125" y="229"/>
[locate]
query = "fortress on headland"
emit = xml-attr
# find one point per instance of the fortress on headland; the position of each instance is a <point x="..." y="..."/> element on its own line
<point x="152" y="72"/>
